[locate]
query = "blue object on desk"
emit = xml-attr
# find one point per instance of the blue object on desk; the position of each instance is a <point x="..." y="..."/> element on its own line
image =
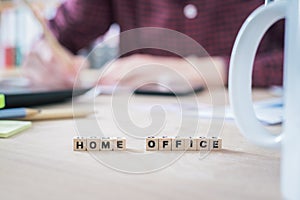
<point x="13" y="113"/>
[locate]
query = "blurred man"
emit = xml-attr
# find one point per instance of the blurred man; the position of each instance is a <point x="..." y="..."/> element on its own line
<point x="213" y="24"/>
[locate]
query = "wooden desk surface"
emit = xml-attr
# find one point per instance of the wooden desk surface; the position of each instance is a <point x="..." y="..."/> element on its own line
<point x="40" y="164"/>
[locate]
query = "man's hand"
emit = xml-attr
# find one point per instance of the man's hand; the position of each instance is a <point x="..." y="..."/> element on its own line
<point x="49" y="64"/>
<point x="137" y="69"/>
<point x="44" y="66"/>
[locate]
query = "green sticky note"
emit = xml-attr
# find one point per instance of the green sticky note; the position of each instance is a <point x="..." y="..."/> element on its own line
<point x="2" y="101"/>
<point x="10" y="127"/>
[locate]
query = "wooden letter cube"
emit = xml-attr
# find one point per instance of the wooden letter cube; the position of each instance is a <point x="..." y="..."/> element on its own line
<point x="106" y="144"/>
<point x="202" y="144"/>
<point x="191" y="144"/>
<point x="179" y="144"/>
<point x="120" y="144"/>
<point x="165" y="144"/>
<point x="215" y="143"/>
<point x="93" y="143"/>
<point x="79" y="143"/>
<point x="151" y="144"/>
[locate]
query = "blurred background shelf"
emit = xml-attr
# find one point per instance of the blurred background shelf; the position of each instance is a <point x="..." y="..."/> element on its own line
<point x="9" y="4"/>
<point x="19" y="29"/>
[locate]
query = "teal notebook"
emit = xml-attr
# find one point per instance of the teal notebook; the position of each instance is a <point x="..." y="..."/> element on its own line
<point x="9" y="127"/>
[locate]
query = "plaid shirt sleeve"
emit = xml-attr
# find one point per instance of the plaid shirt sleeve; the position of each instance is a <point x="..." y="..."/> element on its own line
<point x="268" y="63"/>
<point x="78" y="22"/>
<point x="268" y="69"/>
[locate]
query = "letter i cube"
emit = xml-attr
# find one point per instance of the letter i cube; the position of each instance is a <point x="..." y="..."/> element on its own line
<point x="191" y="144"/>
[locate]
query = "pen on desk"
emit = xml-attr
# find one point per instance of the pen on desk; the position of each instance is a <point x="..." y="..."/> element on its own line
<point x="12" y="113"/>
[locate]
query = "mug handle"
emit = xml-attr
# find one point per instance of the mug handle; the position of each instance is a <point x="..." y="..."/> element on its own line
<point x="240" y="73"/>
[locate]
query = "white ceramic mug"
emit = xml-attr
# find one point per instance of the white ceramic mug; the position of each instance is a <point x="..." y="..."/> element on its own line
<point x="240" y="74"/>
